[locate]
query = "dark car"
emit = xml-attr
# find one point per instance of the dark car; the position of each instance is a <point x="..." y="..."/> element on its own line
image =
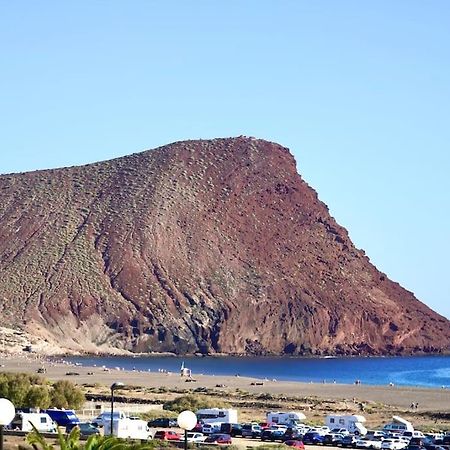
<point x="233" y="429"/>
<point x="251" y="430"/>
<point x="295" y="444"/>
<point x="332" y="439"/>
<point x="87" y="429"/>
<point x="414" y="447"/>
<point x="272" y="435"/>
<point x="218" y="438"/>
<point x="312" y="438"/>
<point x="163" y="422"/>
<point x="349" y="441"/>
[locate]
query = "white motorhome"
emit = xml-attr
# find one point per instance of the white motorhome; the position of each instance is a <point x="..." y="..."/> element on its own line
<point x="398" y="425"/>
<point x="105" y="417"/>
<point x="25" y="421"/>
<point x="214" y="415"/>
<point x="128" y="428"/>
<point x="352" y="423"/>
<point x="285" y="418"/>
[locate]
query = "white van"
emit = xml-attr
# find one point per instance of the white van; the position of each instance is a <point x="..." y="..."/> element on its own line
<point x="128" y="428"/>
<point x="25" y="421"/>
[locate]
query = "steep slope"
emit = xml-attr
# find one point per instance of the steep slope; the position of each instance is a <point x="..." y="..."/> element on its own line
<point x="198" y="246"/>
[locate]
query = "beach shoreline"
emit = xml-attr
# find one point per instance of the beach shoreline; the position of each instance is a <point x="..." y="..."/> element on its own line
<point x="428" y="399"/>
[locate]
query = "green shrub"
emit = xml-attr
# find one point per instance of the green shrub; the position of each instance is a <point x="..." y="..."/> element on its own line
<point x="31" y="391"/>
<point x="192" y="403"/>
<point x="66" y="395"/>
<point x="156" y="413"/>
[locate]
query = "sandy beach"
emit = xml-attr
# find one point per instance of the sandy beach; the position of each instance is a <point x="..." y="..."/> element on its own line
<point x="395" y="396"/>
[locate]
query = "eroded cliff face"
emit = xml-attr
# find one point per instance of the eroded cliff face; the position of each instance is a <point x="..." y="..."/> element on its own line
<point x="201" y="246"/>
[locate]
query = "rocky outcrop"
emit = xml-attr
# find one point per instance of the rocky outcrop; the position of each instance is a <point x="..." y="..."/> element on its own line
<point x="200" y="246"/>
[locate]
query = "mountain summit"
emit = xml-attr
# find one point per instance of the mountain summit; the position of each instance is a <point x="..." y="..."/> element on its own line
<point x="209" y="246"/>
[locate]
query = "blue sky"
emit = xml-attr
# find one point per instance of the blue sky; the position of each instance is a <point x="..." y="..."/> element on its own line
<point x="359" y="91"/>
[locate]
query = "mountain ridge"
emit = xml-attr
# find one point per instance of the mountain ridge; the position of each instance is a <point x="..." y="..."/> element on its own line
<point x="207" y="246"/>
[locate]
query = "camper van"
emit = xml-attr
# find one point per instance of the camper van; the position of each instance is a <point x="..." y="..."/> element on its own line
<point x="398" y="425"/>
<point x="105" y="417"/>
<point x="352" y="423"/>
<point x="290" y="418"/>
<point x="128" y="428"/>
<point x="63" y="417"/>
<point x="214" y="415"/>
<point x="25" y="421"/>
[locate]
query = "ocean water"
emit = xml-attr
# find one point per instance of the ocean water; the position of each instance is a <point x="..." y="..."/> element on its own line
<point x="422" y="371"/>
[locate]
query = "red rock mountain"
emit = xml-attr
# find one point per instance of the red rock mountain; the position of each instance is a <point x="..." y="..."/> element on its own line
<point x="214" y="246"/>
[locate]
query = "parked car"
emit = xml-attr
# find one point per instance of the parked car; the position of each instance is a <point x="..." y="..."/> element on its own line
<point x="343" y="431"/>
<point x="276" y="426"/>
<point x="368" y="442"/>
<point x="218" y="438"/>
<point x="312" y="437"/>
<point x="233" y="429"/>
<point x="195" y="437"/>
<point x="295" y="444"/>
<point x="163" y="422"/>
<point x="377" y="434"/>
<point x="332" y="439"/>
<point x="413" y="434"/>
<point x="210" y="428"/>
<point x="87" y="429"/>
<point x="251" y="430"/>
<point x="394" y="444"/>
<point x="414" y="447"/>
<point x="272" y="435"/>
<point x="420" y="442"/>
<point x="265" y="425"/>
<point x="349" y="441"/>
<point x="166" y="435"/>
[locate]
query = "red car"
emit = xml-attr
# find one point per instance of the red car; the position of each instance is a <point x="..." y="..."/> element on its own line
<point x="164" y="435"/>
<point x="265" y="425"/>
<point x="295" y="444"/>
<point x="218" y="439"/>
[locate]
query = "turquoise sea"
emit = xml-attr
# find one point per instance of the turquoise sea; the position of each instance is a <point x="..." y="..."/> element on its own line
<point x="423" y="371"/>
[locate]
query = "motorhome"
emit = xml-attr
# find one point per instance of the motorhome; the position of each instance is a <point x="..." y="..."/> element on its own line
<point x="105" y="417"/>
<point x="24" y="422"/>
<point x="128" y="428"/>
<point x="352" y="423"/>
<point x="214" y="415"/>
<point x="289" y="418"/>
<point x="63" y="417"/>
<point x="398" y="425"/>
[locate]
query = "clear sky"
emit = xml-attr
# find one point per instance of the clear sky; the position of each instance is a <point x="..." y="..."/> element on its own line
<point x="358" y="90"/>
